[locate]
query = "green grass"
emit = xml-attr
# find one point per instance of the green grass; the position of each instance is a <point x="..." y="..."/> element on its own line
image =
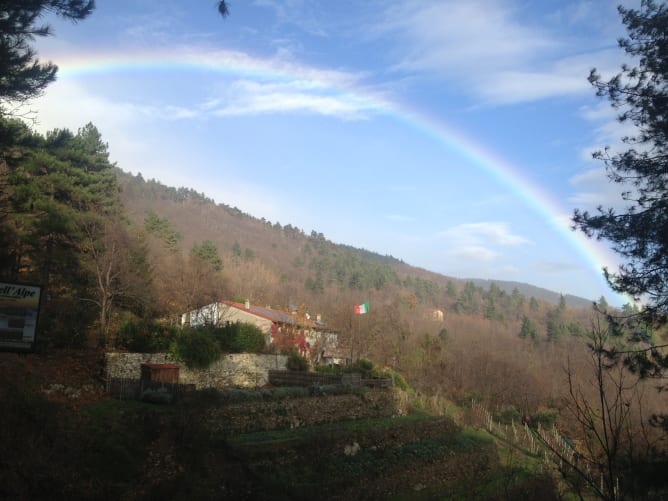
<point x="105" y="446"/>
<point x="470" y="438"/>
<point x="302" y="458"/>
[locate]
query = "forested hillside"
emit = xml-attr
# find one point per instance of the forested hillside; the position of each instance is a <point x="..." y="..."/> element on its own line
<point x="503" y="346"/>
<point x="120" y="258"/>
<point x="107" y="245"/>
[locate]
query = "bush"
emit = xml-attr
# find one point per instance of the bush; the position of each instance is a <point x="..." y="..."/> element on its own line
<point x="546" y="418"/>
<point x="239" y="337"/>
<point x="329" y="369"/>
<point x="363" y="366"/>
<point x="296" y="362"/>
<point x="142" y="336"/>
<point x="249" y="339"/>
<point x="508" y="415"/>
<point x="196" y="347"/>
<point x="398" y="379"/>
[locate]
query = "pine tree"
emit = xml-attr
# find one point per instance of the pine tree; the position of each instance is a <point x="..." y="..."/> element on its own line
<point x="22" y="75"/>
<point x="640" y="93"/>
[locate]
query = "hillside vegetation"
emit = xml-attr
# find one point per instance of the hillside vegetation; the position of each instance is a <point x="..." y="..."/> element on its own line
<point x="121" y="258"/>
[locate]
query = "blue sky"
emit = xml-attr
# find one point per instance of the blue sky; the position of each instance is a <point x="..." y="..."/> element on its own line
<point x="456" y="136"/>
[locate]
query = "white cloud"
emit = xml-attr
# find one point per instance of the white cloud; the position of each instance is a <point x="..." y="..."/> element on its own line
<point x="555" y="267"/>
<point x="608" y="130"/>
<point x="594" y="189"/>
<point x="274" y="86"/>
<point x="516" y="86"/>
<point x="493" y="233"/>
<point x="487" y="48"/>
<point x="458" y="36"/>
<point x="245" y="97"/>
<point x="297" y="13"/>
<point x="474" y="253"/>
<point x="69" y="105"/>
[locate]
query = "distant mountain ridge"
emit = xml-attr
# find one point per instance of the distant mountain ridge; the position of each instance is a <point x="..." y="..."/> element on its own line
<point x="529" y="290"/>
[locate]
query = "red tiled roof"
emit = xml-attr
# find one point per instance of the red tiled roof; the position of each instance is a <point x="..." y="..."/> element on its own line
<point x="277" y="316"/>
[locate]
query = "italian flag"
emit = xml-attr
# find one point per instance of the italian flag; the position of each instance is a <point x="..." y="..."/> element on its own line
<point x="361" y="309"/>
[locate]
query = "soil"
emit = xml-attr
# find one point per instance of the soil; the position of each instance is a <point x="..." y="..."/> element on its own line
<point x="60" y="375"/>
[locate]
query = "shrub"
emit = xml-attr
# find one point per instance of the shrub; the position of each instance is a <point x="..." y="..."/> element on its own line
<point x="239" y="337"/>
<point x="249" y="339"/>
<point x="363" y="366"/>
<point x="296" y="362"/>
<point x="546" y="418"/>
<point x="142" y="336"/>
<point x="329" y="369"/>
<point x="196" y="347"/>
<point x="131" y="334"/>
<point x="508" y="414"/>
<point x="398" y="379"/>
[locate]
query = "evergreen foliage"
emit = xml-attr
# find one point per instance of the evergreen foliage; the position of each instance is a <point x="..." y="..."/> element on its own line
<point x="640" y="93"/>
<point x="639" y="234"/>
<point x="22" y="75"/>
<point x="528" y="329"/>
<point x="197" y="347"/>
<point x="240" y="337"/>
<point x="162" y="229"/>
<point x="145" y="336"/>
<point x="207" y="252"/>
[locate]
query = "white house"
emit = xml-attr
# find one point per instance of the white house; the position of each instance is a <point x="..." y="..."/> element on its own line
<point x="281" y="328"/>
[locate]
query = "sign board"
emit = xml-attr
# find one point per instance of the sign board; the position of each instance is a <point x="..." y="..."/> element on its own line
<point x="19" y="309"/>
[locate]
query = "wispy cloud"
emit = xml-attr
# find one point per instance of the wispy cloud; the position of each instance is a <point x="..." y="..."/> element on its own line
<point x="246" y="85"/>
<point x="594" y="189"/>
<point x="474" y="253"/>
<point x="117" y="121"/>
<point x="555" y="267"/>
<point x="490" y="48"/>
<point x="244" y="97"/>
<point x="608" y="130"/>
<point x="303" y="15"/>
<point x="491" y="233"/>
<point x="454" y="35"/>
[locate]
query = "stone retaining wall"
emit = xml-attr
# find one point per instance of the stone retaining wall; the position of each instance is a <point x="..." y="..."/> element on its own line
<point x="239" y="370"/>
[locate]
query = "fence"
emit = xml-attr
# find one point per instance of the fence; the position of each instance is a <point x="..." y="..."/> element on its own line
<point x="555" y="449"/>
<point x="127" y="388"/>
<point x="294" y="378"/>
<point x="518" y="434"/>
<point x="378" y="382"/>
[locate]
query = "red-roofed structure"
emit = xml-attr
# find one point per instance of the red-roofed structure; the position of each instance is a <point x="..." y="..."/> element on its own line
<point x="282" y="329"/>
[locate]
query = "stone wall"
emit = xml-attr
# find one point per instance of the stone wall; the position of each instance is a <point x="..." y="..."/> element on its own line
<point x="239" y="370"/>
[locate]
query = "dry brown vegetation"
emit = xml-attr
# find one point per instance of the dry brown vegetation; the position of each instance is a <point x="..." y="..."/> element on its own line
<point x="475" y="352"/>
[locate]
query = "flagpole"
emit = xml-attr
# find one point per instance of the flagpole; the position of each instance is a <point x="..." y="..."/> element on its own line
<point x="358" y="334"/>
<point x="360" y="309"/>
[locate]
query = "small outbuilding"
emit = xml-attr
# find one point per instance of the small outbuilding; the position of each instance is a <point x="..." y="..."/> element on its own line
<point x="160" y="373"/>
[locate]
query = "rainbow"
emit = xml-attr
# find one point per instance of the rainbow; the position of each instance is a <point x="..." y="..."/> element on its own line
<point x="341" y="84"/>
